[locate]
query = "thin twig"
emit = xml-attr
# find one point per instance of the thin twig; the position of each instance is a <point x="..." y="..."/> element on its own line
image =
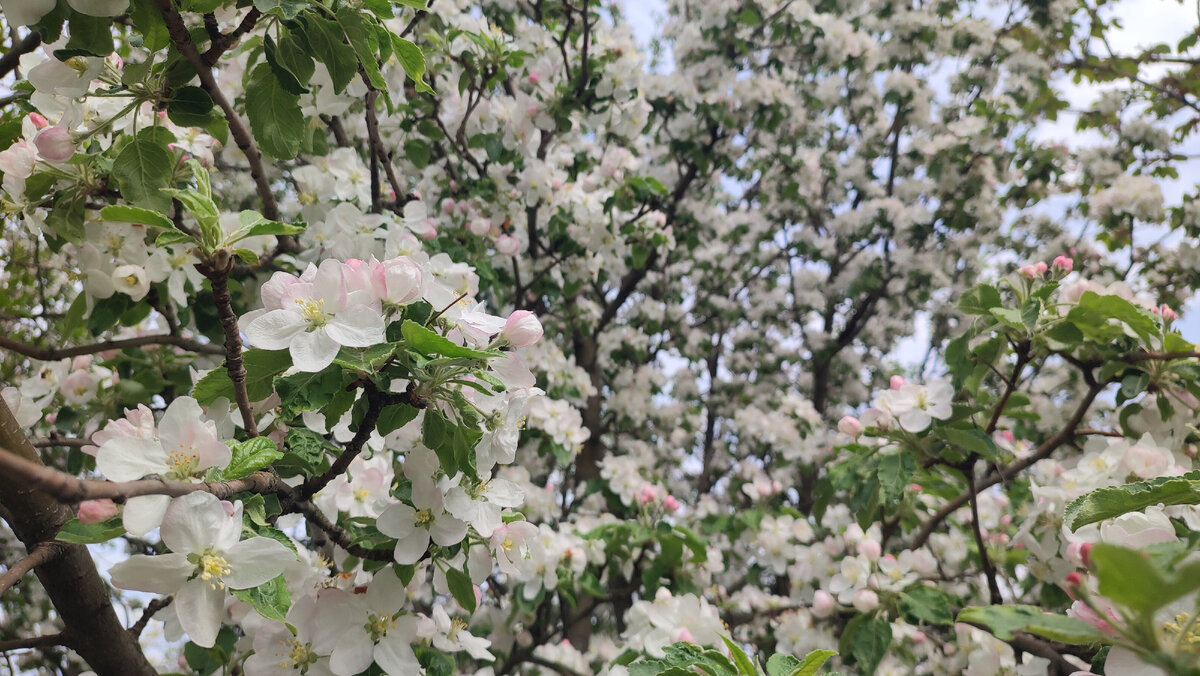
<point x="33" y="642"/>
<point x="56" y="353"/>
<point x="218" y="277"/>
<point x="42" y="552"/>
<point x="339" y="536"/>
<point x="151" y="608"/>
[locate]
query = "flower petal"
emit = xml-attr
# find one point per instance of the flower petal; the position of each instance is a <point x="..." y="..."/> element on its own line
<point x="199" y="606"/>
<point x="276" y="329"/>
<point x="129" y="458"/>
<point x="313" y="351"/>
<point x="357" y="326"/>
<point x="254" y="561"/>
<point x="162" y="574"/>
<point x="352" y="654"/>
<point x="144" y="513"/>
<point x="193" y="522"/>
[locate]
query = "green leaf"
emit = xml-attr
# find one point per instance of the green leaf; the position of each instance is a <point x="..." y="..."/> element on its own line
<point x="392" y="418"/>
<point x="271" y="599"/>
<point x="366" y="359"/>
<point x="90" y="533"/>
<point x="461" y="588"/>
<point x="782" y="664"/>
<point x="142" y="169"/>
<point x="1093" y="313"/>
<point x="288" y="9"/>
<point x="136" y="215"/>
<point x="979" y="300"/>
<point x="437" y="434"/>
<point x="307" y="391"/>
<point x="190" y="106"/>
<point x="740" y="658"/>
<point x="147" y="18"/>
<point x="287" y="79"/>
<point x="305" y="452"/>
<point x="972" y="439"/>
<point x="250" y="456"/>
<point x="1112" y="501"/>
<point x="1004" y="620"/>
<point x="364" y="43"/>
<point x="429" y="342"/>
<point x="253" y="224"/>
<point x="327" y="45"/>
<point x="261" y="368"/>
<point x="274" y="113"/>
<point x="811" y="664"/>
<point x="871" y="642"/>
<point x="931" y="605"/>
<point x="413" y="61"/>
<point x="90" y="36"/>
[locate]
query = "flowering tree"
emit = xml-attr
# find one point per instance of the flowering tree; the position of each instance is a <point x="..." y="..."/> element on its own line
<point x="384" y="338"/>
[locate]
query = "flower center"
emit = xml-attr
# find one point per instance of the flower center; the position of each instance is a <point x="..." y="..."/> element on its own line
<point x="299" y="655"/>
<point x="212" y="567"/>
<point x="456" y="625"/>
<point x="182" y="464"/>
<point x="379" y="625"/>
<point x="361" y="494"/>
<point x="1184" y="630"/>
<point x="508" y="544"/>
<point x="313" y="311"/>
<point x="131" y="280"/>
<point x="423" y="518"/>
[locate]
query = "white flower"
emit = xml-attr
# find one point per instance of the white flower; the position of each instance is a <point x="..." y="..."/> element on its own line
<point x="206" y="557"/>
<point x="376" y="633"/>
<point x="413" y="528"/>
<point x="316" y="319"/>
<point x="452" y="636"/>
<point x="319" y="621"/>
<point x="185" y="446"/>
<point x="480" y="504"/>
<point x="915" y="406"/>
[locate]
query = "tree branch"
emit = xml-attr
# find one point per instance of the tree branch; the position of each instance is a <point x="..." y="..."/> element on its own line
<point x="339" y="536"/>
<point x="1049" y="446"/>
<point x="66" y="488"/>
<point x="33" y="642"/>
<point x="151" y="608"/>
<point x="12" y="58"/>
<point x="183" y="42"/>
<point x="56" y="353"/>
<point x="218" y="277"/>
<point x="41" y="553"/>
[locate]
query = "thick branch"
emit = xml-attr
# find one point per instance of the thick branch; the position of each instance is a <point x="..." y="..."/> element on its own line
<point x="183" y="42"/>
<point x="81" y="599"/>
<point x="55" y="353"/>
<point x="66" y="488"/>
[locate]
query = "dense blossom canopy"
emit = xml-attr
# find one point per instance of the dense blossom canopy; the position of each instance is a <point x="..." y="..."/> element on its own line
<point x="394" y="337"/>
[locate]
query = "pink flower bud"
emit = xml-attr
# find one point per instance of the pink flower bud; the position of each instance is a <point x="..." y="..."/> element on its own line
<point x="683" y="635"/>
<point x="850" y="426"/>
<point x="479" y="227"/>
<point x="448" y="206"/>
<point x="38" y="120"/>
<point x="96" y="511"/>
<point x="534" y="78"/>
<point x="647" y="494"/>
<point x="1078" y="553"/>
<point x="919" y="637"/>
<point x="1063" y="264"/>
<point x="865" y="600"/>
<point x="896" y="382"/>
<point x="55" y="144"/>
<point x="507" y="245"/>
<point x="1167" y="313"/>
<point x="397" y="280"/>
<point x="823" y="604"/>
<point x="1074" y="584"/>
<point x="522" y="329"/>
<point x="869" y="549"/>
<point x="670" y="503"/>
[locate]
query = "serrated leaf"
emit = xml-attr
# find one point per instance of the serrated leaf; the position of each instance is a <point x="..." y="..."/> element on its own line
<point x="392" y="418"/>
<point x="141" y="170"/>
<point x="1002" y="621"/>
<point x="261" y="368"/>
<point x="461" y="589"/>
<point x="270" y="599"/>
<point x="136" y="215"/>
<point x="413" y="62"/>
<point x="812" y="662"/>
<point x="744" y="664"/>
<point x="1113" y="501"/>
<point x="931" y="605"/>
<point x="250" y="456"/>
<point x="979" y="300"/>
<point x="173" y="237"/>
<point x="274" y="113"/>
<point x="90" y="533"/>
<point x="429" y="342"/>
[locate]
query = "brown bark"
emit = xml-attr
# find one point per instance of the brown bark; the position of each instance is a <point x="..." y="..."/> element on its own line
<point x="80" y="597"/>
